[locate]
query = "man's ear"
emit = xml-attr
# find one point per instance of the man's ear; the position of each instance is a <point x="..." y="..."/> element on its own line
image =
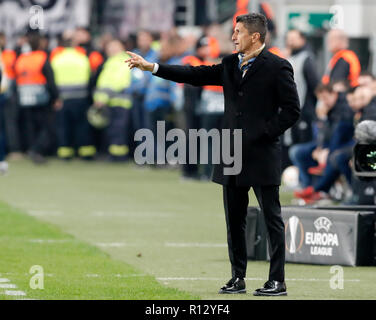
<point x="256" y="37"/>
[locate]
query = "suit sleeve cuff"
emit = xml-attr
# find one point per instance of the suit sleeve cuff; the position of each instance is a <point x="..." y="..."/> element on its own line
<point x="155" y="69"/>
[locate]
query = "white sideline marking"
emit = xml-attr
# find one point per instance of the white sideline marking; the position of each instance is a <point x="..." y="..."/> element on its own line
<point x="15" y="293"/>
<point x="130" y="214"/>
<point x="43" y="213"/>
<point x="2" y="280"/>
<point x="195" y="245"/>
<point x="50" y="240"/>
<point x="130" y="275"/>
<point x="247" y="279"/>
<point x="4" y="284"/>
<point x="7" y="286"/>
<point x="115" y="244"/>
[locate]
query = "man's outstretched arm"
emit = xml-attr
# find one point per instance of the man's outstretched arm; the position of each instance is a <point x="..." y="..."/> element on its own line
<point x="196" y="76"/>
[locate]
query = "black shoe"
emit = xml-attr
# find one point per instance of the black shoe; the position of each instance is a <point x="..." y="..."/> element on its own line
<point x="235" y="285"/>
<point x="272" y="288"/>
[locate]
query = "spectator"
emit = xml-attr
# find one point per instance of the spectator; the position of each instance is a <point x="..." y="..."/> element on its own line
<point x="36" y="91"/>
<point x="203" y="107"/>
<point x="306" y="79"/>
<point x="112" y="91"/>
<point x="10" y="106"/>
<point x="140" y="80"/>
<point x="333" y="122"/>
<point x="72" y="75"/>
<point x="364" y="106"/>
<point x="82" y="39"/>
<point x="344" y="63"/>
<point x="365" y="78"/>
<point x="160" y="96"/>
<point x="3" y="163"/>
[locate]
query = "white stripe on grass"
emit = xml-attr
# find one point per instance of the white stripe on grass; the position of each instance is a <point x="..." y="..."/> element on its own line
<point x="51" y="240"/>
<point x="116" y="244"/>
<point x="7" y="286"/>
<point x="3" y="280"/>
<point x="45" y="213"/>
<point x="14" y="293"/>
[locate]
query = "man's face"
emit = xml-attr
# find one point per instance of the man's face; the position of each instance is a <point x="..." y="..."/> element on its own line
<point x="361" y="97"/>
<point x="329" y="99"/>
<point x="336" y="40"/>
<point x="294" y="40"/>
<point x="144" y="40"/>
<point x="203" y="52"/>
<point x="242" y="39"/>
<point x="166" y="50"/>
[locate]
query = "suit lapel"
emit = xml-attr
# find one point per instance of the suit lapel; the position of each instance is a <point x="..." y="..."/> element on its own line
<point x="259" y="61"/>
<point x="237" y="73"/>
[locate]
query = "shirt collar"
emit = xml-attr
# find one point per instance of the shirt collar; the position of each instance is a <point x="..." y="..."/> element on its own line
<point x="250" y="57"/>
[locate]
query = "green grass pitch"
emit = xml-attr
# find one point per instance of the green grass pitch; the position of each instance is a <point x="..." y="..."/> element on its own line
<point x="114" y="231"/>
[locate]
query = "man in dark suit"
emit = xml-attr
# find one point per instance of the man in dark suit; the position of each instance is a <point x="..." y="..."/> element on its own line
<point x="260" y="99"/>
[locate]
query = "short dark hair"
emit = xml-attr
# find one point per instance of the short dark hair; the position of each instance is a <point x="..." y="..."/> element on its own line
<point x="33" y="38"/>
<point x="254" y="22"/>
<point x="366" y="73"/>
<point x="324" y="88"/>
<point x="300" y="33"/>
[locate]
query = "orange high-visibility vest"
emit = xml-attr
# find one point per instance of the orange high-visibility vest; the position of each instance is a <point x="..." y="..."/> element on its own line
<point x="267" y="10"/>
<point x="54" y="52"/>
<point x="214" y="48"/>
<point x="241" y="8"/>
<point x="8" y="58"/>
<point x="194" y="61"/>
<point x="276" y="51"/>
<point x="351" y="58"/>
<point x="95" y="58"/>
<point x="28" y="68"/>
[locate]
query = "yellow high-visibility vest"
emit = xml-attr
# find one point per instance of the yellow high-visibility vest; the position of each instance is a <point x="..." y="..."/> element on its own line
<point x="113" y="81"/>
<point x="72" y="73"/>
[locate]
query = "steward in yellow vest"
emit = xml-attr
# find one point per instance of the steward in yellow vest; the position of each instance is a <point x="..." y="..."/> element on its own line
<point x="112" y="91"/>
<point x="72" y="76"/>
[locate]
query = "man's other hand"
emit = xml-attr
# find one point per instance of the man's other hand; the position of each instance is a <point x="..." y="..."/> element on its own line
<point x="139" y="62"/>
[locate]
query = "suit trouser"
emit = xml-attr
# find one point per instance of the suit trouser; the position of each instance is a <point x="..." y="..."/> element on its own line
<point x="236" y="204"/>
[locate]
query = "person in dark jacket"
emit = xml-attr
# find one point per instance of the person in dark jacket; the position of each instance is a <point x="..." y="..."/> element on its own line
<point x="344" y="63"/>
<point x="363" y="105"/>
<point x="335" y="130"/>
<point x="261" y="100"/>
<point x="307" y="79"/>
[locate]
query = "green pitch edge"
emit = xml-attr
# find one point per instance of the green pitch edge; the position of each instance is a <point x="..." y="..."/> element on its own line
<point x="72" y="269"/>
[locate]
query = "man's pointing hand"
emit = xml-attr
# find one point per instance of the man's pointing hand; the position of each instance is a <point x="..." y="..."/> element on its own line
<point x="139" y="62"/>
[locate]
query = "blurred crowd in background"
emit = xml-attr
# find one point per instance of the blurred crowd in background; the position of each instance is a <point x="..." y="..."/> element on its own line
<point x="73" y="96"/>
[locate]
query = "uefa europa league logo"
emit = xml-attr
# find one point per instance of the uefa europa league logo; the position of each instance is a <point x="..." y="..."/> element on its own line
<point x="294" y="226"/>
<point x="293" y="222"/>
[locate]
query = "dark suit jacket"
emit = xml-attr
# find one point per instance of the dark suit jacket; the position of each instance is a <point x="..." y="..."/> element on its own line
<point x="264" y="103"/>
